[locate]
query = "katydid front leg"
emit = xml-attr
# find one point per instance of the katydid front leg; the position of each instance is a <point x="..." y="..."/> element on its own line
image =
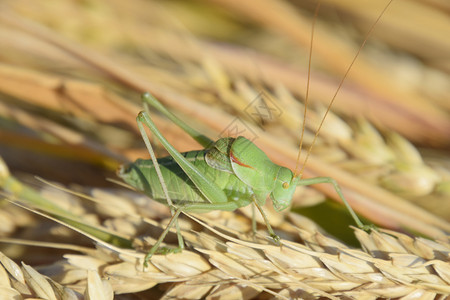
<point x="275" y="237"/>
<point x="317" y="180"/>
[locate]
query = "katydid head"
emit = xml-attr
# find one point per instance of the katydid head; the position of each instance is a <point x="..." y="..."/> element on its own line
<point x="251" y="165"/>
<point x="284" y="188"/>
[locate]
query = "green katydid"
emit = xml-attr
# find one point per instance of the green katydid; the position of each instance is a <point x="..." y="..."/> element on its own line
<point x="227" y="174"/>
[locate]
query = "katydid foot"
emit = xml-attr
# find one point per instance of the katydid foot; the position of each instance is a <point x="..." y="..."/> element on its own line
<point x="161" y="251"/>
<point x="368" y="228"/>
<point x="276" y="239"/>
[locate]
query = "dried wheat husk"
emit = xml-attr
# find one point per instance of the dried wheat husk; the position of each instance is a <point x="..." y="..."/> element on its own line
<point x="224" y="261"/>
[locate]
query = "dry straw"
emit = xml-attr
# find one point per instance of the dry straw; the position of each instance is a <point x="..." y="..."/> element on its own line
<point x="67" y="75"/>
<point x="222" y="262"/>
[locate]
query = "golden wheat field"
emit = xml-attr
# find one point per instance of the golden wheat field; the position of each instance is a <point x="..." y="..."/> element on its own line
<point x="71" y="75"/>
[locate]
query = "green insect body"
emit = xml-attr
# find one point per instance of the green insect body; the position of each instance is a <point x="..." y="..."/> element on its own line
<point x="228" y="174"/>
<point x="235" y="165"/>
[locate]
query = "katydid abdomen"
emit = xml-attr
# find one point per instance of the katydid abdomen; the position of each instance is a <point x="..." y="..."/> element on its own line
<point x="142" y="175"/>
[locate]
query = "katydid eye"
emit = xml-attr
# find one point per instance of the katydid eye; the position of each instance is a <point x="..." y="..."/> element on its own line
<point x="285" y="185"/>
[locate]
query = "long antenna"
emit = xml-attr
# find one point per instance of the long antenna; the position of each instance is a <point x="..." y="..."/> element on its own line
<point x="340" y="86"/>
<point x="296" y="172"/>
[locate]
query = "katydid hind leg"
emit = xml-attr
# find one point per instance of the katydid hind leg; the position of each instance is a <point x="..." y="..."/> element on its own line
<point x="203" y="140"/>
<point x="208" y="188"/>
<point x="164" y="188"/>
